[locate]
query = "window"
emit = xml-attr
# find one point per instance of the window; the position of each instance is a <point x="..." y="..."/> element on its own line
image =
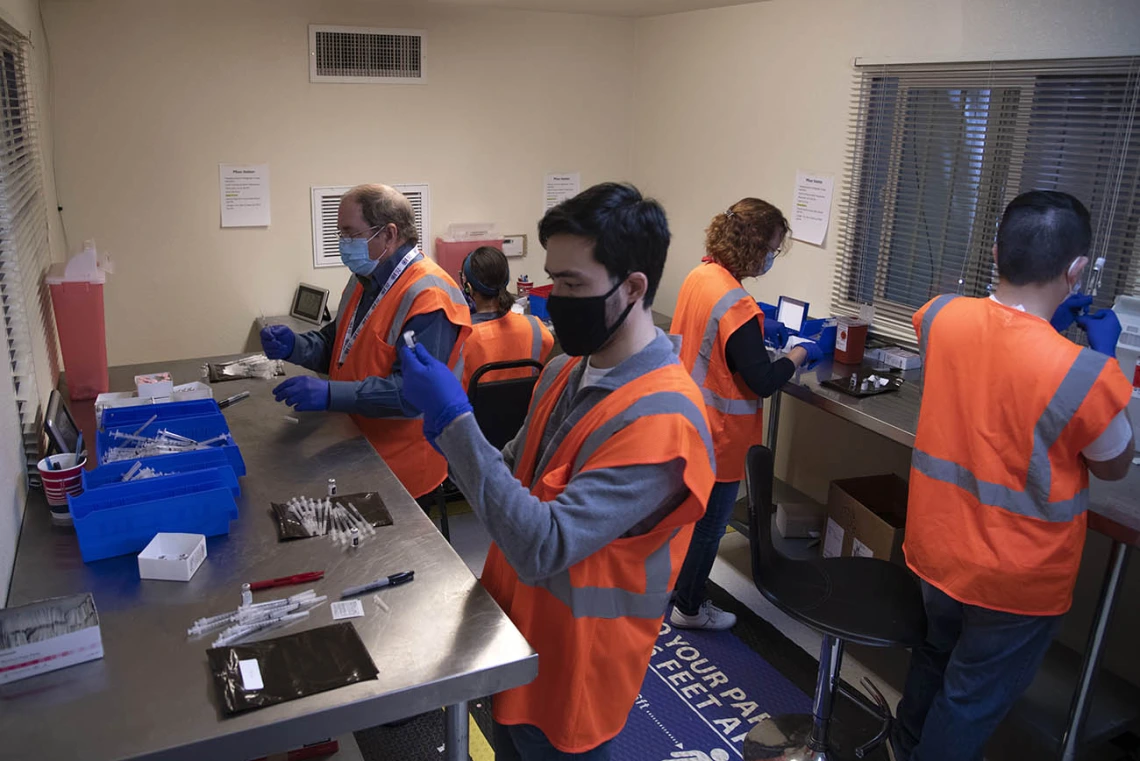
<point x="24" y="251"/>
<point x="938" y="150"/>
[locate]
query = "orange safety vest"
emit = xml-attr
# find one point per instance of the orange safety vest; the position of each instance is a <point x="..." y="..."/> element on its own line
<point x="594" y="624"/>
<point x="424" y="287"/>
<point x="998" y="488"/>
<point x="512" y="336"/>
<point x="711" y="307"/>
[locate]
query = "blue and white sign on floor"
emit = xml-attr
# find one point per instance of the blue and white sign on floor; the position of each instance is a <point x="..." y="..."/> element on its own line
<point x="702" y="694"/>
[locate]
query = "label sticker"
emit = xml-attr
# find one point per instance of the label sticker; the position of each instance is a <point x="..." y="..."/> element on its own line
<point x="347" y="609"/>
<point x="250" y="675"/>
<point x="860" y="550"/>
<point x="833" y="540"/>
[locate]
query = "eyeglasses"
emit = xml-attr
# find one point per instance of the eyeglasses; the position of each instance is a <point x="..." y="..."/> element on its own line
<point x="349" y="236"/>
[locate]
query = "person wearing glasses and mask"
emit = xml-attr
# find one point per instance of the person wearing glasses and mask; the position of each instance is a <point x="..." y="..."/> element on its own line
<point x="497" y="333"/>
<point x="393" y="288"/>
<point x="592" y="505"/>
<point x="722" y="344"/>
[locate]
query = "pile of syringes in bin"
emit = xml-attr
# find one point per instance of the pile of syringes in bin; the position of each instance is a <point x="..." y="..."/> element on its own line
<point x="138" y="473"/>
<point x="166" y="442"/>
<point x="254" y="617"/>
<point x="322" y="518"/>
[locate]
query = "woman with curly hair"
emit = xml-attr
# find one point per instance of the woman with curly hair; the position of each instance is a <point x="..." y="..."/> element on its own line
<point x="722" y="333"/>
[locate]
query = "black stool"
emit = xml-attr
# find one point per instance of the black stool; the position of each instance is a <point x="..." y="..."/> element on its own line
<point x="861" y="600"/>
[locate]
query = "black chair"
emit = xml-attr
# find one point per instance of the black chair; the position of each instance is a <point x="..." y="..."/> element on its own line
<point x="500" y="406"/>
<point x="861" y="600"/>
<point x="500" y="409"/>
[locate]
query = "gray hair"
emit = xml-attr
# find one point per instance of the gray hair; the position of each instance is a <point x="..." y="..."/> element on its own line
<point x="383" y="205"/>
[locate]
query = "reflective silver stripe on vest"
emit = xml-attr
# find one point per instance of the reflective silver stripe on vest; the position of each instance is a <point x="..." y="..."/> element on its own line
<point x="657" y="403"/>
<point x="536" y="338"/>
<point x="996" y="495"/>
<point x="415" y="289"/>
<point x="704" y="359"/>
<point x="1033" y="501"/>
<point x="458" y="371"/>
<point x="928" y="320"/>
<point x="611" y="602"/>
<point x="545" y="381"/>
<point x="730" y="406"/>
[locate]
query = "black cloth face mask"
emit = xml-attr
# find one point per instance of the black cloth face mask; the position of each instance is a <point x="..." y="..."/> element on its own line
<point x="580" y="321"/>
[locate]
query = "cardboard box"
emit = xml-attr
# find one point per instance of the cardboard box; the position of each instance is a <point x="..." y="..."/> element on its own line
<point x="20" y="659"/>
<point x="172" y="557"/>
<point x="795" y="520"/>
<point x="154" y="385"/>
<point x="866" y="517"/>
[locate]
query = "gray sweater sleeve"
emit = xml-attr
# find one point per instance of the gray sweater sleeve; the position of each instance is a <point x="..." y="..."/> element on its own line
<point x="313" y="349"/>
<point x="541" y="539"/>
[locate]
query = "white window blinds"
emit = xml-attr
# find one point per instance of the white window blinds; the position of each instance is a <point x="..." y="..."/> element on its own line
<point x="24" y="252"/>
<point x="936" y="151"/>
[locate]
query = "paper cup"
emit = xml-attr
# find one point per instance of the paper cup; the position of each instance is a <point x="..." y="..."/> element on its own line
<point x="68" y="480"/>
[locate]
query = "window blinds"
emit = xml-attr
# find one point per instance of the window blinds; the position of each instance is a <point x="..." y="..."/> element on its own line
<point x="24" y="252"/>
<point x="936" y="151"/>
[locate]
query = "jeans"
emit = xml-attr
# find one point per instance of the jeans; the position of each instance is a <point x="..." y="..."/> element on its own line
<point x="702" y="550"/>
<point x="963" y="680"/>
<point x="523" y="742"/>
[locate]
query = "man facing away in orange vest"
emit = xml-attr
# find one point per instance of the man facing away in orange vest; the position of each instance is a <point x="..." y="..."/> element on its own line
<point x="1014" y="418"/>
<point x="591" y="507"/>
<point x="393" y="288"/>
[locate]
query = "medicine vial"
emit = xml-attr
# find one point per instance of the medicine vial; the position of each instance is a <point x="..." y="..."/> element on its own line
<point x="332" y="487"/>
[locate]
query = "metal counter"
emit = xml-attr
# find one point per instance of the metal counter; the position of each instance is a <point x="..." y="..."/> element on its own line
<point x="444" y="642"/>
<point x="1114" y="506"/>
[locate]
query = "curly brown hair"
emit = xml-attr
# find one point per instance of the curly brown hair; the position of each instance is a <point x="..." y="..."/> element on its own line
<point x="741" y="237"/>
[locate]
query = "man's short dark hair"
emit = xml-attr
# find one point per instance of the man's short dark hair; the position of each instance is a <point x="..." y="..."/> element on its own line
<point x="629" y="232"/>
<point x="1040" y="235"/>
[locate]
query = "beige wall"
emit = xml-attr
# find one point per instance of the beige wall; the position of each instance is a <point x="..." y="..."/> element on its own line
<point x="732" y="102"/>
<point x="151" y="96"/>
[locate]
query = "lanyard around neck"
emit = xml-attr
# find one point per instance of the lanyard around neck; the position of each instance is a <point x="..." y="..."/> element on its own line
<point x="354" y="330"/>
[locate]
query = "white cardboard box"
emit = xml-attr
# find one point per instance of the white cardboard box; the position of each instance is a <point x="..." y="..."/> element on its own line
<point x="35" y="658"/>
<point x="154" y="384"/>
<point x="172" y="557"/>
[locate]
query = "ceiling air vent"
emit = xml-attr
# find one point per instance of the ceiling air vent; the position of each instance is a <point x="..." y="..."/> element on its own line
<point x="361" y="54"/>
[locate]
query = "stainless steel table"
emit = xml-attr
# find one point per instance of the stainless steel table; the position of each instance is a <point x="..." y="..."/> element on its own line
<point x="444" y="642"/>
<point x="1115" y="508"/>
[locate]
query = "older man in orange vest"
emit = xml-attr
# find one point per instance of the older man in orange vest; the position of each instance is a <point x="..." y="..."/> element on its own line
<point x="393" y="288"/>
<point x="1014" y="418"/>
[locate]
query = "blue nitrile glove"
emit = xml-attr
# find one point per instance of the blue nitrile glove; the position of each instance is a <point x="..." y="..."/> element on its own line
<point x="1103" y="329"/>
<point x="277" y="341"/>
<point x="775" y="333"/>
<point x="303" y="393"/>
<point x="431" y="387"/>
<point x="1067" y="313"/>
<point x="814" y="354"/>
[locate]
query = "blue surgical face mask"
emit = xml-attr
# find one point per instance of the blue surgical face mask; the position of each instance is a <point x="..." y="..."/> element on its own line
<point x="354" y="254"/>
<point x="769" y="260"/>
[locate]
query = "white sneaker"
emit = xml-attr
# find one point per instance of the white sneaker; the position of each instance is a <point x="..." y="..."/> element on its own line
<point x="709" y="617"/>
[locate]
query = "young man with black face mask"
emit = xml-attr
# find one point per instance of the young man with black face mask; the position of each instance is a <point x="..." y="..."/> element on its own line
<point x="591" y="507"/>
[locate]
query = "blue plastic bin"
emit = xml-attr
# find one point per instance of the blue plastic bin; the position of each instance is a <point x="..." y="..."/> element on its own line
<point x="198" y="428"/>
<point x="136" y="416"/>
<point x="769" y="310"/>
<point x="183" y="462"/>
<point x="538" y="307"/>
<point x="121" y="519"/>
